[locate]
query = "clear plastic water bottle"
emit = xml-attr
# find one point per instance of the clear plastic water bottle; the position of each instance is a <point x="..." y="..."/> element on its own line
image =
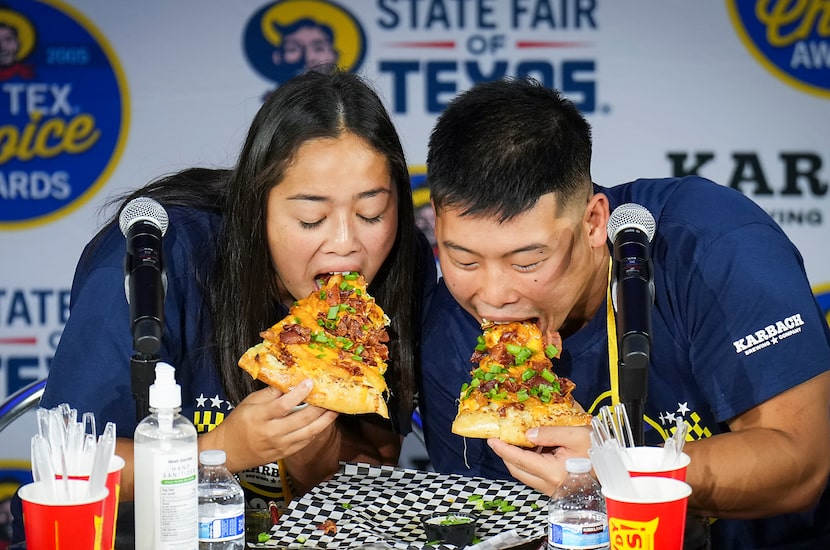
<point x="577" y="519"/>
<point x="221" y="505"/>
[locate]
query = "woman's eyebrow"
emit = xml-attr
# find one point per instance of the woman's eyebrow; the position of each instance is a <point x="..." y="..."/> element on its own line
<point x="320" y="198"/>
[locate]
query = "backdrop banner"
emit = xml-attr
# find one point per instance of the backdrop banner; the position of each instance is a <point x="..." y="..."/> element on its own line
<point x="101" y="96"/>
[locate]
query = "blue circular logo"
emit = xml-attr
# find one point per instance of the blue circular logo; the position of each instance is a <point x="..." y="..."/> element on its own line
<point x="64" y="111"/>
<point x="790" y="39"/>
<point x="288" y="37"/>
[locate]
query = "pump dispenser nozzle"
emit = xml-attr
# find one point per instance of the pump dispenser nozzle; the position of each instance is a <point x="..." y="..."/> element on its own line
<point x="164" y="392"/>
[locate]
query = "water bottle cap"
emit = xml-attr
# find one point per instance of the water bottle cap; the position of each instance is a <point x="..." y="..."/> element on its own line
<point x="164" y="392"/>
<point x="212" y="457"/>
<point x="578" y="465"/>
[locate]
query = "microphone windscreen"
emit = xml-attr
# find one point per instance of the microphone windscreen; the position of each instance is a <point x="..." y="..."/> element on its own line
<point x="143" y="209"/>
<point x="631" y="215"/>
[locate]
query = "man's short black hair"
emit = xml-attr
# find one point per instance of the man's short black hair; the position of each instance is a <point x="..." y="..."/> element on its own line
<point x="501" y="145"/>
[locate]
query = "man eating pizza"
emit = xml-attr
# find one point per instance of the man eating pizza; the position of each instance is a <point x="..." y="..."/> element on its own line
<point x="521" y="233"/>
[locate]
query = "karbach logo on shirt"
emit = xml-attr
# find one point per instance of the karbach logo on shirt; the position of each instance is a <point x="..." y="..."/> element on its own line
<point x="769" y="335"/>
<point x="63" y="111"/>
<point x="790" y="39"/>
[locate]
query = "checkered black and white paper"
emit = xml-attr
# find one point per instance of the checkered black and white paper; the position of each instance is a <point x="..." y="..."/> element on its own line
<point x="382" y="504"/>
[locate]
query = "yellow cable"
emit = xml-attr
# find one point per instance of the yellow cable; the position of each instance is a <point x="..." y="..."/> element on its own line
<point x="611" y="327"/>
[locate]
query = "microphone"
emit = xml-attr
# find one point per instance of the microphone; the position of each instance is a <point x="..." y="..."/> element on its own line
<point x="143" y="221"/>
<point x="630" y="230"/>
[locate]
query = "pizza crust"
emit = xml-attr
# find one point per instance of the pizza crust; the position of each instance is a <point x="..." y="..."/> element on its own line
<point x="511" y="425"/>
<point x="343" y="394"/>
<point x="336" y="337"/>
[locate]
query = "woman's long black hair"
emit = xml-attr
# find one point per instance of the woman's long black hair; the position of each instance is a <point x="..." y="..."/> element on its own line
<point x="245" y="300"/>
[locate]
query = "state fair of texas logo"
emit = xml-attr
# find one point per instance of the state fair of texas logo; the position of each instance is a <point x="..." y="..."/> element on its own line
<point x="63" y="111"/>
<point x="791" y="39"/>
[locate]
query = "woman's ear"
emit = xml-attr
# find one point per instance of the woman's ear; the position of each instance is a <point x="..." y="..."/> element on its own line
<point x="596" y="220"/>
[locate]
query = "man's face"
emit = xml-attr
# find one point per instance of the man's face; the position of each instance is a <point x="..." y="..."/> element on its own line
<point x="9" y="46"/>
<point x="536" y="265"/>
<point x="309" y="45"/>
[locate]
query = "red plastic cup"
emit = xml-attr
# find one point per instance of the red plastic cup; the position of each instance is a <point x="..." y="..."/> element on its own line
<point x="53" y="522"/>
<point x="654" y="518"/>
<point x="649" y="461"/>
<point x="111" y="503"/>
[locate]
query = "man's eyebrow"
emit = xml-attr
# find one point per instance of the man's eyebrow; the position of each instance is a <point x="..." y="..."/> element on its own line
<point x="532" y="247"/>
<point x="458" y="247"/>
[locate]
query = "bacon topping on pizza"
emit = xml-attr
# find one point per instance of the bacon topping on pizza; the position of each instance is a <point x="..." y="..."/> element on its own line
<point x="336" y="336"/>
<point x="513" y="387"/>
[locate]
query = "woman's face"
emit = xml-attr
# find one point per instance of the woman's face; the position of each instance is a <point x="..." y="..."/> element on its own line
<point x="335" y="210"/>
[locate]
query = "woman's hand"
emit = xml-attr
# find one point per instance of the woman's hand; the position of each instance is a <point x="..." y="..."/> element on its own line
<point x="543" y="468"/>
<point x="263" y="429"/>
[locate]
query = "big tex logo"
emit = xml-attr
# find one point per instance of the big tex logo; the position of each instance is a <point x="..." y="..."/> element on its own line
<point x="285" y="38"/>
<point x="791" y="38"/>
<point x="63" y="111"/>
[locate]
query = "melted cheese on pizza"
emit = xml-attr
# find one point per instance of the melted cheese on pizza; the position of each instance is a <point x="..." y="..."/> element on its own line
<point x="339" y="325"/>
<point x="514" y="371"/>
<point x="336" y="336"/>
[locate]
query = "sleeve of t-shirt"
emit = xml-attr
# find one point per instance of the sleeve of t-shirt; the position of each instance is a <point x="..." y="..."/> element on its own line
<point x="91" y="366"/>
<point x="449" y="339"/>
<point x="91" y="369"/>
<point x="754" y="327"/>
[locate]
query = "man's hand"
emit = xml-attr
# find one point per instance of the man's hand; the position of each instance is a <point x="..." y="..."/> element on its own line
<point x="543" y="468"/>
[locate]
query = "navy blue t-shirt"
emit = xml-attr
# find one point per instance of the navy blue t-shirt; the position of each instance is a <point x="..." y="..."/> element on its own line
<point x="734" y="323"/>
<point x="91" y="367"/>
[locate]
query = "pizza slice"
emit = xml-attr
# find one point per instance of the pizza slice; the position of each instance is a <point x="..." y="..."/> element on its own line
<point x="513" y="387"/>
<point x="337" y="337"/>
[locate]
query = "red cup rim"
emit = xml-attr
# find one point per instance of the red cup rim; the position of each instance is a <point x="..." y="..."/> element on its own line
<point x="26" y="495"/>
<point x="682" y="488"/>
<point x="683" y="462"/>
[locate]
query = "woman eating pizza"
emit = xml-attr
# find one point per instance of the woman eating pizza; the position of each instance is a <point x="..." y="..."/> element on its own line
<point x="321" y="186"/>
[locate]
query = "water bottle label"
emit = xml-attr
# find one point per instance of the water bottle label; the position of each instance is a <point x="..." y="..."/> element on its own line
<point x="578" y="536"/>
<point x="221" y="529"/>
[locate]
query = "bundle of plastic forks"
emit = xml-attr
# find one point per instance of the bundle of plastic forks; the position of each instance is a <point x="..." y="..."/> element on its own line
<point x="65" y="447"/>
<point x="674" y="444"/>
<point x="617" y="424"/>
<point x="606" y="457"/>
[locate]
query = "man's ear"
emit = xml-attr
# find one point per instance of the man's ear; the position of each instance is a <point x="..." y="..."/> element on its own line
<point x="595" y="219"/>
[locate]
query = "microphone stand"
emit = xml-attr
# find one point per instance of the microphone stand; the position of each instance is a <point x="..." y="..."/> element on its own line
<point x="146" y="344"/>
<point x="142" y="374"/>
<point x="633" y="376"/>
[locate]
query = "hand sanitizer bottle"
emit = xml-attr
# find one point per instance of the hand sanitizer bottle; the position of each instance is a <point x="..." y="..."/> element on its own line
<point x="166" y="471"/>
